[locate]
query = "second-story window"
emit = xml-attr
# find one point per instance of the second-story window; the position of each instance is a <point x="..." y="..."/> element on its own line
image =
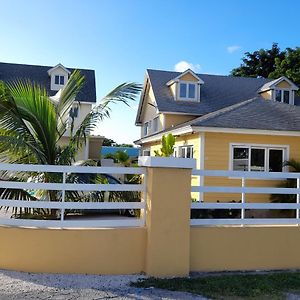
<point x="59" y="79"/>
<point x="146" y="128"/>
<point x="74" y="112"/>
<point x="155" y="124"/>
<point x="282" y="96"/>
<point x="187" y="91"/>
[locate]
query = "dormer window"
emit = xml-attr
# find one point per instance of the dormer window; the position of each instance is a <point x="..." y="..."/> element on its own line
<point x="186" y="86"/>
<point x="187" y="91"/>
<point x="59" y="79"/>
<point x="282" y="96"/>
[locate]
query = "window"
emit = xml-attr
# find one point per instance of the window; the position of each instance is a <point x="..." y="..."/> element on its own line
<point x="175" y="153"/>
<point x="187" y="91"/>
<point x="59" y="79"/>
<point x="155" y="124"/>
<point x="282" y="96"/>
<point x="186" y="151"/>
<point x="146" y="152"/>
<point x="146" y="128"/>
<point x="258" y="158"/>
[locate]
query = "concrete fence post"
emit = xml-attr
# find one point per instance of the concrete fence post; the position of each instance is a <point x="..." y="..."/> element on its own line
<point x="168" y="203"/>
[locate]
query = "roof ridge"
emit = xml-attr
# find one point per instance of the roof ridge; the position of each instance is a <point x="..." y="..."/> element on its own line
<point x="44" y="66"/>
<point x="206" y="74"/>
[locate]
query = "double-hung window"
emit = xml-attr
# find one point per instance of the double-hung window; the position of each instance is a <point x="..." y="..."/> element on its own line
<point x="146" y="128"/>
<point x="258" y="158"/>
<point x="187" y="91"/>
<point x="186" y="151"/>
<point x="59" y="79"/>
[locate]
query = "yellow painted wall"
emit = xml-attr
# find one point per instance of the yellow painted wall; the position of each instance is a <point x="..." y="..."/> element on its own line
<point x="93" y="251"/>
<point x="191" y="139"/>
<point x="267" y="95"/>
<point x="217" y="147"/>
<point x="229" y="248"/>
<point x="168" y="222"/>
<point x="171" y="120"/>
<point x="188" y="77"/>
<point x="149" y="111"/>
<point x="283" y="84"/>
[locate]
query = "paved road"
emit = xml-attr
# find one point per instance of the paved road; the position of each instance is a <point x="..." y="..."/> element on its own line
<point x="19" y="285"/>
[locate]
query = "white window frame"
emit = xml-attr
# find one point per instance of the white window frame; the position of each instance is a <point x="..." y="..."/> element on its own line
<point x="267" y="147"/>
<point x="185" y="146"/>
<point x="197" y="91"/>
<point x="291" y="95"/>
<point x="175" y="153"/>
<point x="146" y="152"/>
<point x="146" y="128"/>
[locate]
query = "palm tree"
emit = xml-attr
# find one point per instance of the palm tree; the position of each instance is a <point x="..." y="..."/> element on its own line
<point x="32" y="125"/>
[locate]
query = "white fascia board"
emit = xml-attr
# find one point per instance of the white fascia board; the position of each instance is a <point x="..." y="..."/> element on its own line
<point x="166" y="162"/>
<point x="178" y="131"/>
<point x="58" y="66"/>
<point x="245" y="131"/>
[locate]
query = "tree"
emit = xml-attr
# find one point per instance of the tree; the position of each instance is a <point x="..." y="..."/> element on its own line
<point x="289" y="66"/>
<point x="108" y="142"/>
<point x="32" y="125"/>
<point x="260" y="63"/>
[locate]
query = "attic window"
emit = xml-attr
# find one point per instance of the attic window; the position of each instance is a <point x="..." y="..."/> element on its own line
<point x="282" y="96"/>
<point x="187" y="91"/>
<point x="59" y="79"/>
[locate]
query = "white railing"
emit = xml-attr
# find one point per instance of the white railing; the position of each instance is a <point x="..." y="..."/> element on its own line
<point x="243" y="176"/>
<point x="106" y="221"/>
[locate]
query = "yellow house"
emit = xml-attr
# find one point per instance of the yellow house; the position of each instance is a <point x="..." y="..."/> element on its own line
<point x="224" y="122"/>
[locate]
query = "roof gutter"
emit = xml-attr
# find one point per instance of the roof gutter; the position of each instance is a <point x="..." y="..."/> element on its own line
<point x="157" y="137"/>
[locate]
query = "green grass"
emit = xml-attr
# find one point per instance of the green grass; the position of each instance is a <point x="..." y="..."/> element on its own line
<point x="231" y="286"/>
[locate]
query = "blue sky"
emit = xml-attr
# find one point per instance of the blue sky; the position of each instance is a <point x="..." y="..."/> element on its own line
<point x="120" y="39"/>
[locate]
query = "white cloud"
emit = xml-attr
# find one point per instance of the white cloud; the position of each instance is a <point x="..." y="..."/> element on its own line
<point x="184" y="65"/>
<point x="232" y="49"/>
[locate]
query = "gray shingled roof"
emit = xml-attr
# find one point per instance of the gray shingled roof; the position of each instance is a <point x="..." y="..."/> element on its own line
<point x="217" y="92"/>
<point x="10" y="72"/>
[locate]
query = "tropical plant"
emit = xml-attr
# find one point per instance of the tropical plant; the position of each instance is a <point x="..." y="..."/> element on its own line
<point x="167" y="148"/>
<point x="294" y="166"/>
<point x="32" y="125"/>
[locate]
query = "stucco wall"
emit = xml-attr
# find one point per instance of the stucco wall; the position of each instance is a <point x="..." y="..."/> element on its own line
<point x="244" y="248"/>
<point x="94" y="251"/>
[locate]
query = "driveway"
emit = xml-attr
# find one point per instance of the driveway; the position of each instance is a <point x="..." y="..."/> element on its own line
<point x="19" y="285"/>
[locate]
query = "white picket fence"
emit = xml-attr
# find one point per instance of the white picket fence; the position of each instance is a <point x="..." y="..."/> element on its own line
<point x="243" y="190"/>
<point x="107" y="221"/>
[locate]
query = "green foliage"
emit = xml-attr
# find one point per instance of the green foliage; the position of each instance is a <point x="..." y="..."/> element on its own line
<point x="288" y="183"/>
<point x="32" y="125"/>
<point x="289" y="66"/>
<point x="260" y="63"/>
<point x="167" y="148"/>
<point x="108" y="142"/>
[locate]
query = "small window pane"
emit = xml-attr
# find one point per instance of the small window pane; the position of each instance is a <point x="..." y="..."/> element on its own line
<point x="286" y="97"/>
<point x="278" y="95"/>
<point x="192" y="90"/>
<point x="275" y="160"/>
<point x="258" y="160"/>
<point x="182" y="91"/>
<point x="56" y="79"/>
<point x="240" y="159"/>
<point x="62" y="80"/>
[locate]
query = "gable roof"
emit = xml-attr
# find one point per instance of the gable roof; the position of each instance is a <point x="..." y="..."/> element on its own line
<point x="271" y="84"/>
<point x="217" y="92"/>
<point x="188" y="71"/>
<point x="10" y="72"/>
<point x="256" y="113"/>
<point x="58" y="66"/>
